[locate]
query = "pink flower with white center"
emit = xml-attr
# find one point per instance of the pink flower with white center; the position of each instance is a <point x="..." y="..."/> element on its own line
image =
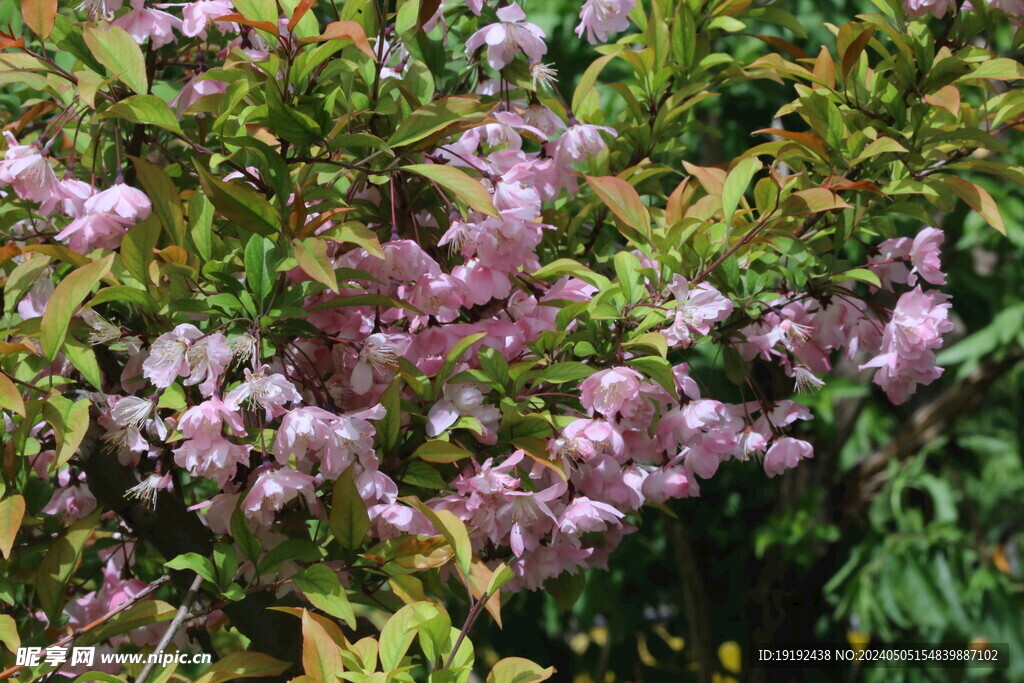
<point x="168" y="356"/>
<point x="543" y="119"/>
<point x="585" y="515"/>
<point x="581" y="142"/>
<point x="513" y="198"/>
<point x="609" y="390"/>
<point x="142" y="23"/>
<point x="404" y="260"/>
<point x="28" y="171"/>
<point x="72" y="500"/>
<point x="463" y="400"/>
<point x="198" y="15"/>
<point x="665" y="484"/>
<point x="276" y="488"/>
<point x="378" y="360"/>
<point x="483" y="283"/>
<point x="531" y="516"/>
<point x="120" y="200"/>
<point x="581" y="440"/>
<point x="270" y="392"/>
<point x="601" y="17"/>
<point x="697" y="308"/>
<point x="924" y="254"/>
<point x="546" y="562"/>
<point x="890" y="263"/>
<point x="508" y="37"/>
<point x="207" y="359"/>
<point x="215" y="458"/>
<point x="918" y="8"/>
<point x="785" y="454"/>
<point x="335" y="441"/>
<point x="204" y="423"/>
<point x="440" y="296"/>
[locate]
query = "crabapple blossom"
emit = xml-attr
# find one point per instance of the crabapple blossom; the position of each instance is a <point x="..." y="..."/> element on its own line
<point x="601" y="17"/>
<point x="508" y="37"/>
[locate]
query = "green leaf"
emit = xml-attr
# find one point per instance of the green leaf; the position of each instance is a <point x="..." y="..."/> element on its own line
<point x="70" y="422"/>
<point x="627" y="269"/>
<point x="225" y="563"/>
<point x="455" y="354"/>
<point x="10" y="396"/>
<point x="164" y="194"/>
<point x="12" y="511"/>
<point x="452" y="528"/>
<point x="239" y="204"/>
<point x="565" y="266"/>
<point x="860" y="275"/>
<point x="137" y="247"/>
<point x="435" y="117"/>
<point x="321" y="656"/>
<point x="518" y="670"/>
<point x="9" y="632"/>
<point x="311" y="255"/>
<point x="349" y="519"/>
<point x="60" y="563"/>
<point x="624" y="202"/>
<point x="566" y="589"/>
<point x="22" y="278"/>
<point x="196" y="563"/>
<point x="296" y="549"/>
<point x="441" y="452"/>
<point x="244" y="663"/>
<point x="141" y="614"/>
<point x="145" y="109"/>
<point x="1000" y="69"/>
<point x="658" y="369"/>
<point x="459" y="183"/>
<point x="287" y="121"/>
<point x="66" y="298"/>
<point x="978" y="199"/>
<point x="567" y="371"/>
<point x="880" y="146"/>
<point x="389" y="426"/>
<point x="355" y="233"/>
<point x="83" y="358"/>
<point x="736" y="185"/>
<point x="321" y="586"/>
<point x="115" y="49"/>
<point x="243" y="537"/>
<point x="259" y="267"/>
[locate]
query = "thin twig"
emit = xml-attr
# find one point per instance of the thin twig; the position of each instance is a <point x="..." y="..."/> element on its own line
<point x="179" y="619"/>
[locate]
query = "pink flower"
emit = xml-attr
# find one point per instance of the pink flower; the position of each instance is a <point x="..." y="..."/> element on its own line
<point x="196" y="88"/>
<point x="580" y="142"/>
<point x="601" y="17"/>
<point x="122" y="201"/>
<point x="72" y="500"/>
<point x="581" y="440"/>
<point x="335" y="441"/>
<point x="664" y="484"/>
<point x="918" y="8"/>
<point x="142" y="23"/>
<point x="697" y="308"/>
<point x="463" y="400"/>
<point x="214" y="458"/>
<point x="28" y="171"/>
<point x="585" y="515"/>
<point x="377" y="360"/>
<point x="508" y="37"/>
<point x="786" y="454"/>
<point x="203" y="423"/>
<point x="73" y="194"/>
<point x="924" y="254"/>
<point x="94" y="231"/>
<point x="207" y="359"/>
<point x="270" y="392"/>
<point x="274" y="489"/>
<point x="608" y="391"/>
<point x="200" y="13"/>
<point x="168" y="356"/>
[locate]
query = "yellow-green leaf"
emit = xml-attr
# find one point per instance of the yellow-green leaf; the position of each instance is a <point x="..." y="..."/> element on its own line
<point x="311" y="255"/>
<point x="9" y="632"/>
<point x="115" y="49"/>
<point x="247" y="663"/>
<point x="321" y="587"/>
<point x="978" y="199"/>
<point x="441" y="452"/>
<point x="38" y="15"/>
<point x="624" y="202"/>
<point x="459" y="183"/>
<point x="12" y="511"/>
<point x="453" y="530"/>
<point x="60" y="563"/>
<point x="147" y="109"/>
<point x="518" y="670"/>
<point x="67" y="297"/>
<point x="10" y="396"/>
<point x="349" y="520"/>
<point x="321" y="656"/>
<point x="70" y="421"/>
